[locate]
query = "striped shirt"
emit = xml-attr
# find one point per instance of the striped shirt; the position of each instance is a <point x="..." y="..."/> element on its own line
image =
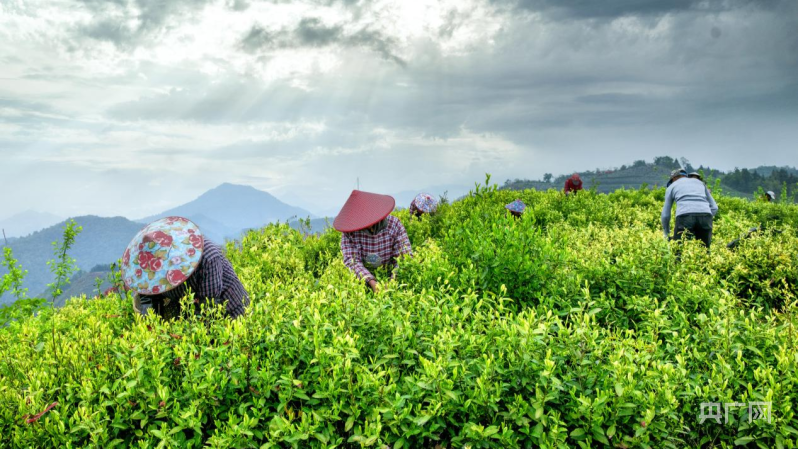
<point x="364" y="251"/>
<point x="214" y="279"/>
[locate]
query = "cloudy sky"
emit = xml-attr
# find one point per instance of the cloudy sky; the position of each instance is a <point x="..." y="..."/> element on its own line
<point x="128" y="107"/>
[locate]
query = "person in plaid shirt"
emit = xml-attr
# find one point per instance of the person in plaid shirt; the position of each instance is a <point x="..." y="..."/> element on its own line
<point x="169" y="257"/>
<point x="371" y="237"/>
<point x="214" y="280"/>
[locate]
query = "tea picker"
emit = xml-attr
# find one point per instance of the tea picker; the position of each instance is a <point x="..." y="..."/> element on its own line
<point x="423" y="203"/>
<point x="371" y="237"/>
<point x="170" y="256"/>
<point x="695" y="207"/>
<point x="573" y="184"/>
<point x="516" y="208"/>
<point x="769" y="197"/>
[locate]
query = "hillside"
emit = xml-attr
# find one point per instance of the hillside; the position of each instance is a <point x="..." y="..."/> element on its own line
<point x="605" y="181"/>
<point x="625" y="177"/>
<point x="102" y="241"/>
<point x="82" y="283"/>
<point x="24" y="223"/>
<point x="766" y="170"/>
<point x="574" y="326"/>
<point x="227" y="210"/>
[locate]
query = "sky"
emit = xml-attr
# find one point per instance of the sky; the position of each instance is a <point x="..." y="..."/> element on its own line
<point x="130" y="107"/>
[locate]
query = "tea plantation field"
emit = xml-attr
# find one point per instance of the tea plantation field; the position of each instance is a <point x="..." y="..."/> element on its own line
<point x="575" y="326"/>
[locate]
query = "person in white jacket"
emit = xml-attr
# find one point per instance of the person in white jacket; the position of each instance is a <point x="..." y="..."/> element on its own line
<point x="695" y="208"/>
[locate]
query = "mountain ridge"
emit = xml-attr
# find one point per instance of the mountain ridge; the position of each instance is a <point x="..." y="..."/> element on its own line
<point x="229" y="209"/>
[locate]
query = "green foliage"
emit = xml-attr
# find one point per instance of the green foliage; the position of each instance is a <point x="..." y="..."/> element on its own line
<point x="63" y="266"/>
<point x="573" y="326"/>
<point x="12" y="281"/>
<point x="748" y="181"/>
<point x="102" y="240"/>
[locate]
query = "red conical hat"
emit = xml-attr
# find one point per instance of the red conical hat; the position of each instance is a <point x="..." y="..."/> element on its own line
<point x="362" y="210"/>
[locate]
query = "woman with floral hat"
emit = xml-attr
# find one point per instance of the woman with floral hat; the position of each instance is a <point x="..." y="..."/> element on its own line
<point x="170" y="256"/>
<point x="423" y="203"/>
<point x="516" y="208"/>
<point x="371" y="237"/>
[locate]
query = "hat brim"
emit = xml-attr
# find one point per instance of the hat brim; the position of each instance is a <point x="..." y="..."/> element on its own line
<point x="362" y="210"/>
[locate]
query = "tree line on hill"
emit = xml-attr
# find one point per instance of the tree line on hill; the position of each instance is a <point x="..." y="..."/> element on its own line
<point x="740" y="182"/>
<point x="750" y="180"/>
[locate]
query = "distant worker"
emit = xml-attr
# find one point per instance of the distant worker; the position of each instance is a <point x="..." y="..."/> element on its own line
<point x="423" y="203"/>
<point x="573" y="184"/>
<point x="516" y="208"/>
<point x="170" y="256"/>
<point x="695" y="208"/>
<point x="770" y="196"/>
<point x="696" y="175"/>
<point x="371" y="237"/>
<point x="771" y="222"/>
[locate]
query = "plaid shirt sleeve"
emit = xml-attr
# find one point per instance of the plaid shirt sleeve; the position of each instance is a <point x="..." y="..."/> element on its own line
<point x="211" y="281"/>
<point x="352" y="259"/>
<point x="219" y="282"/>
<point x="401" y="243"/>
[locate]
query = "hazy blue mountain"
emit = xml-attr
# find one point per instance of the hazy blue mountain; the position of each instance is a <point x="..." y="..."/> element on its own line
<point x="227" y="210"/>
<point x="103" y="240"/>
<point x="82" y="283"/>
<point x="26" y="222"/>
<point x="212" y="229"/>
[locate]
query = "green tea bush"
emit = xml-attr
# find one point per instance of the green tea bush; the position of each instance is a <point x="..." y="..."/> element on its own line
<point x="574" y="326"/>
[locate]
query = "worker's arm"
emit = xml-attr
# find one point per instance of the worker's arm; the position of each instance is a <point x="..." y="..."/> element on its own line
<point x="352" y="260"/>
<point x="713" y="206"/>
<point x="666" y="212"/>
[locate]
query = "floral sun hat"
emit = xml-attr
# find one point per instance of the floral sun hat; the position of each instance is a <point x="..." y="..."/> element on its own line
<point x="425" y="203"/>
<point x="162" y="256"/>
<point x="516" y="206"/>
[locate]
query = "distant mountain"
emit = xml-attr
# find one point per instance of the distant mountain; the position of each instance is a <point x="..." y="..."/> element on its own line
<point x="227" y="210"/>
<point x="26" y="222"/>
<point x="82" y="283"/>
<point x="102" y="240"/>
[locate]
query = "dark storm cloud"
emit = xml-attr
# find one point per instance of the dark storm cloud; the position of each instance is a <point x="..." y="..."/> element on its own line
<point x="110" y="18"/>
<point x="311" y="32"/>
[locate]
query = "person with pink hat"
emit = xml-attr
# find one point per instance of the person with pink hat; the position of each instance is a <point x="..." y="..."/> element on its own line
<point x="371" y="237"/>
<point x="423" y="203"/>
<point x="170" y="256"/>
